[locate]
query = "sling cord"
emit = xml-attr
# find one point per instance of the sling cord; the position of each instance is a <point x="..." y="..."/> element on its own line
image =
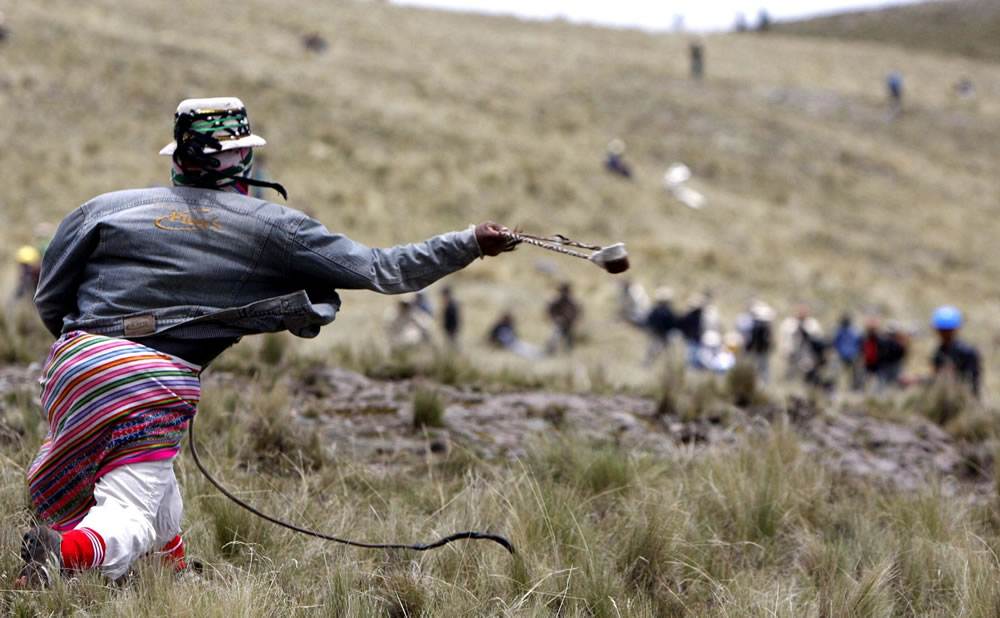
<point x="274" y="520"/>
<point x="544" y="243"/>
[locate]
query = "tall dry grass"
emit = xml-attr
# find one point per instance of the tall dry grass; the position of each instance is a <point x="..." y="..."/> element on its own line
<point x="755" y="528"/>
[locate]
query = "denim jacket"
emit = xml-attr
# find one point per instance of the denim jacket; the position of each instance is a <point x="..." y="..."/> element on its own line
<point x="201" y="264"/>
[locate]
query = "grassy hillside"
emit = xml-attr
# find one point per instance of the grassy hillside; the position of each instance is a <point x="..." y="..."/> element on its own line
<point x="965" y="27"/>
<point x="415" y="122"/>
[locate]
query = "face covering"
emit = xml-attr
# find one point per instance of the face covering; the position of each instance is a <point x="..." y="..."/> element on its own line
<point x="226" y="170"/>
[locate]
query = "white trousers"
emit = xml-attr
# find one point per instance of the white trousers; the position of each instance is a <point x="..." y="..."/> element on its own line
<point x="138" y="510"/>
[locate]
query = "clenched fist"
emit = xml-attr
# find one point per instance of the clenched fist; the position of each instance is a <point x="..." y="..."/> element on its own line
<point x="490" y="238"/>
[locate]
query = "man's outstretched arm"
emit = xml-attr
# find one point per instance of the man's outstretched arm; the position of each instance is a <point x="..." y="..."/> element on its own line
<point x="338" y="261"/>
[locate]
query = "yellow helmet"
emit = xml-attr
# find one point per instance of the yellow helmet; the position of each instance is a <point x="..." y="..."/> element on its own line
<point x="28" y="255"/>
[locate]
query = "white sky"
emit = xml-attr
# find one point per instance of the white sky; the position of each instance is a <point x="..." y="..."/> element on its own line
<point x="656" y="14"/>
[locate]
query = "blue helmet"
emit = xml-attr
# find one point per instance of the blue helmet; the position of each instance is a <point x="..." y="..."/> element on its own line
<point x="946" y="317"/>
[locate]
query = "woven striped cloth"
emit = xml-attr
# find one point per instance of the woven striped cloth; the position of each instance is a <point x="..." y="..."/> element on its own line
<point x="109" y="402"/>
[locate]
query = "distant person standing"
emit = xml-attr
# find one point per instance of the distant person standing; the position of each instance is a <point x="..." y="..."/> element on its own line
<point x="800" y="343"/>
<point x="564" y="312"/>
<point x="873" y="351"/>
<point x="954" y="356"/>
<point x="763" y="21"/>
<point x="693" y="323"/>
<point x="660" y="323"/>
<point x="894" y="85"/>
<point x="893" y="354"/>
<point x="614" y="160"/>
<point x="847" y="344"/>
<point x="4" y="30"/>
<point x="883" y="353"/>
<point x="696" y="54"/>
<point x="755" y="328"/>
<point x="29" y="260"/>
<point x="451" y="319"/>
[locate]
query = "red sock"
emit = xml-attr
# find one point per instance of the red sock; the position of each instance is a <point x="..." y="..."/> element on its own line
<point x="174" y="551"/>
<point x="82" y="549"/>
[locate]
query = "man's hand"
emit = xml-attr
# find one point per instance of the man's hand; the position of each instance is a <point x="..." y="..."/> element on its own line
<point x="490" y="238"/>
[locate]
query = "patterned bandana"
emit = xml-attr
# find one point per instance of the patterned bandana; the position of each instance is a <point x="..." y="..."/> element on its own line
<point x="201" y="159"/>
<point x="233" y="165"/>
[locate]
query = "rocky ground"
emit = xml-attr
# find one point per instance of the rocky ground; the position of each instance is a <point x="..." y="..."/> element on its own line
<point x="373" y="419"/>
<point x="361" y="416"/>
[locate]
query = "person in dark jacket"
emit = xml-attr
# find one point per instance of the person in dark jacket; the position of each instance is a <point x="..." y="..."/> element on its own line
<point x="953" y="355"/>
<point x="660" y="323"/>
<point x="696" y="56"/>
<point x="756" y="329"/>
<point x="883" y="353"/>
<point x="451" y="318"/>
<point x="144" y="288"/>
<point x="892" y="354"/>
<point x="691" y="325"/>
<point x="564" y="312"/>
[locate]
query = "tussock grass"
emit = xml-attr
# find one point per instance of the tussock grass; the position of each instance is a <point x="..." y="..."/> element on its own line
<point x="414" y="112"/>
<point x="272" y="348"/>
<point x="700" y="396"/>
<point x="428" y="409"/>
<point x="753" y="528"/>
<point x="742" y="385"/>
<point x="671" y="386"/>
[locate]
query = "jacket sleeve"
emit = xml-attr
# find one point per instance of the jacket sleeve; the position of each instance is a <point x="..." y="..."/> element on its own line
<point x="62" y="271"/>
<point x="337" y="261"/>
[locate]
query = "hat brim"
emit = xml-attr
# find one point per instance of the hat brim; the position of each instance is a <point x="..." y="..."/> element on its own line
<point x="243" y="142"/>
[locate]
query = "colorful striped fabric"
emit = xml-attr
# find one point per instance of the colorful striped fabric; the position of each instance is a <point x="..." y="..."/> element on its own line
<point x="109" y="402"/>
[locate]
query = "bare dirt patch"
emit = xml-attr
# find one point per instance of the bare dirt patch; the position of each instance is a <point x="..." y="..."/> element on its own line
<point x="370" y="418"/>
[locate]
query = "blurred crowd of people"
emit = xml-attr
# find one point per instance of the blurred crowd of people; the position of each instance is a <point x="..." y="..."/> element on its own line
<point x="871" y="357"/>
<point x="866" y="356"/>
<point x="411" y="323"/>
